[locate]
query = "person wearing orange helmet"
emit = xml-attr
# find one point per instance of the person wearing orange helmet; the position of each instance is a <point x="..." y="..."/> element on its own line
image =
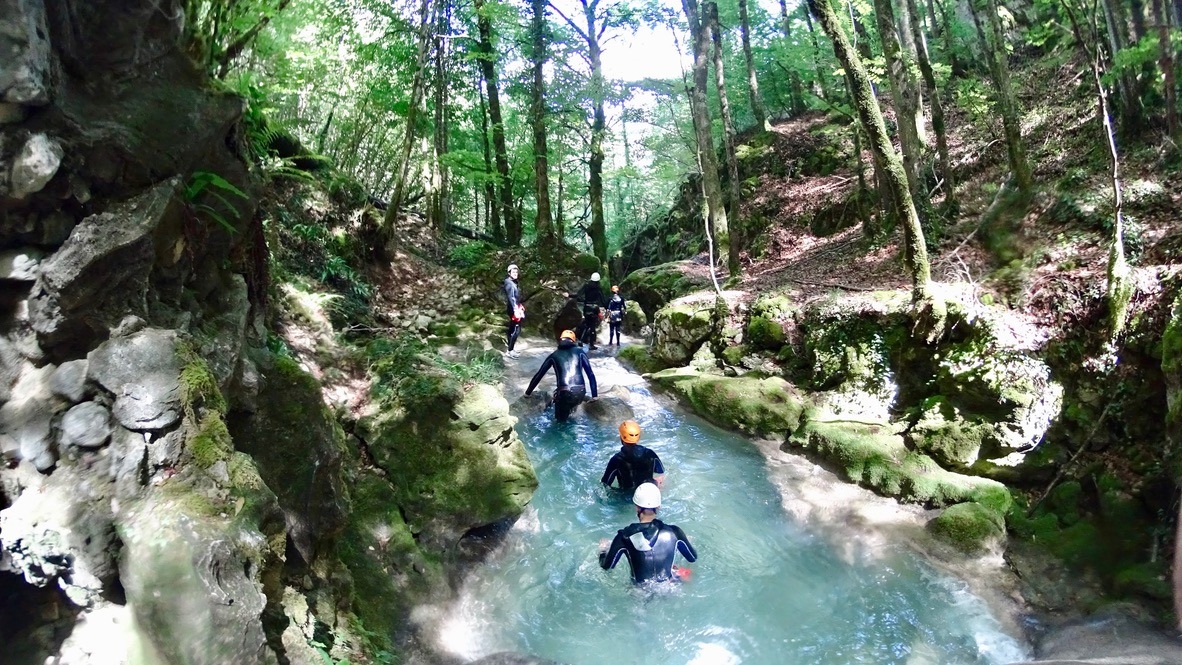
<point x="570" y="365"/>
<point x="634" y="464"/>
<point x="650" y="544"/>
<point x="615" y="315"/>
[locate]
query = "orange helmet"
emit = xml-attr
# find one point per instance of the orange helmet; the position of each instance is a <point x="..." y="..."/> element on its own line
<point x="567" y="334"/>
<point x="630" y="431"/>
<point x="615" y="288"/>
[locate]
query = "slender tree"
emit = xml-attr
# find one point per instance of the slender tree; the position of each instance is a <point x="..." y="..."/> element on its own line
<point x="488" y="61"/>
<point x="1165" y="62"/>
<point x="395" y="205"/>
<point x="715" y="212"/>
<point x="999" y="70"/>
<point x="757" y="106"/>
<point x="904" y="96"/>
<point x="728" y="141"/>
<point x="929" y="79"/>
<point x="439" y="209"/>
<point x="915" y="255"/>
<point x="823" y="90"/>
<point x="795" y="87"/>
<point x="543" y="223"/>
<point x="491" y="212"/>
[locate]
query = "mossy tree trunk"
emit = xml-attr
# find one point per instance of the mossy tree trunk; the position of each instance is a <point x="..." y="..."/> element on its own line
<point x="412" y="115"/>
<point x="735" y="189"/>
<point x="904" y="94"/>
<point x="1165" y="62"/>
<point x="712" y="187"/>
<point x="915" y="254"/>
<point x="757" y="106"/>
<point x="999" y="71"/>
<point x="439" y="207"/>
<point x="929" y="79"/>
<point x="491" y="214"/>
<point x="488" y="61"/>
<point x="543" y="222"/>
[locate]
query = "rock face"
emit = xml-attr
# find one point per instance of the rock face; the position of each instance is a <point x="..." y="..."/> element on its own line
<point x="1115" y="634"/>
<point x="681" y="327"/>
<point x="143" y="372"/>
<point x="34" y="165"/>
<point x="654" y="287"/>
<point x="24" y="74"/>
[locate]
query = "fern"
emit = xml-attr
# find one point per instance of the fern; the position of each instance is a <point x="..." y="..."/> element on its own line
<point x="212" y="184"/>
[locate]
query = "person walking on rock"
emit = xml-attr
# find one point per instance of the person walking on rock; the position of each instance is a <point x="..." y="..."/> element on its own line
<point x="615" y="315"/>
<point x="514" y="308"/>
<point x="591" y="297"/>
<point x="634" y="464"/>
<point x="570" y="365"/>
<point x="649" y="543"/>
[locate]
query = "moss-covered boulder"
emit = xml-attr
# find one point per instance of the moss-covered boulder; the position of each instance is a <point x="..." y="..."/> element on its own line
<point x="681" y="327"/>
<point x="640" y="358"/>
<point x="765" y="334"/>
<point x="969" y="527"/>
<point x="656" y="286"/>
<point x="875" y="456"/>
<point x="634" y="318"/>
<point x="770" y="314"/>
<point x="298" y="447"/>
<point x="453" y="459"/>
<point x="757" y="406"/>
<point x="947" y="437"/>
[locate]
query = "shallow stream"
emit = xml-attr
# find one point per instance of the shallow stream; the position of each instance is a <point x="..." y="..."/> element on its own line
<point x="765" y="588"/>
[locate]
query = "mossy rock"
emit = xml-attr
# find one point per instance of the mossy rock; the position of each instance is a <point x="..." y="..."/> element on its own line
<point x="1146" y="580"/>
<point x="969" y="527"/>
<point x="757" y="406"/>
<point x="851" y="344"/>
<point x="765" y="334"/>
<point x="640" y="358"/>
<point x="680" y="328"/>
<point x="877" y="458"/>
<point x="585" y="264"/>
<point x="656" y="286"/>
<point x="951" y="440"/>
<point x="634" y="318"/>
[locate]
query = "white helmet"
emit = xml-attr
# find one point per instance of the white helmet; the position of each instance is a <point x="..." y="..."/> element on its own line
<point x="594" y="277"/>
<point x="647" y="496"/>
<point x="511" y="268"/>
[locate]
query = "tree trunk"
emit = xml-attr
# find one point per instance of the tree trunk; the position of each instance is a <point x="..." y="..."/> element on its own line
<point x="491" y="213"/>
<point x="795" y="87"/>
<point x="995" y="53"/>
<point x="1137" y="13"/>
<point x="715" y="212"/>
<point x="438" y="211"/>
<point x="1129" y="98"/>
<point x="728" y="141"/>
<point x="543" y="223"/>
<point x="598" y="228"/>
<point x="903" y="96"/>
<point x="915" y="255"/>
<point x="412" y="115"/>
<point x="500" y="153"/>
<point x="1165" y="61"/>
<point x="757" y="106"/>
<point x="949" y="39"/>
<point x="929" y="78"/>
<point x="824" y="91"/>
<point x="910" y="51"/>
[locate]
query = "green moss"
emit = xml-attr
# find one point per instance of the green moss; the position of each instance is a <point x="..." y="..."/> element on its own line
<point x="1064" y="501"/>
<point x="585" y="264"/>
<point x="750" y="404"/>
<point x="188" y="501"/>
<point x="764" y="333"/>
<point x="969" y="527"/>
<point x="211" y="443"/>
<point x="1148" y="580"/>
<point x="733" y="355"/>
<point x="198" y="385"/>
<point x="639" y="357"/>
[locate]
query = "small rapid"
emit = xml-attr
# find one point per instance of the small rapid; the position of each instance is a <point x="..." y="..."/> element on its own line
<point x="765" y="589"/>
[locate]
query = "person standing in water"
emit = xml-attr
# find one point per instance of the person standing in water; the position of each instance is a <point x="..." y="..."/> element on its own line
<point x="650" y="544"/>
<point x="590" y="295"/>
<point x="570" y="364"/>
<point x="615" y="315"/>
<point x="514" y="308"/>
<point x="634" y="464"/>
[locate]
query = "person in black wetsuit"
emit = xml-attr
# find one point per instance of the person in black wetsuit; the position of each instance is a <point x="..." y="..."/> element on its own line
<point x="634" y="464"/>
<point x="514" y="309"/>
<point x="592" y="299"/>
<point x="649" y="543"/>
<point x="570" y="364"/>
<point x="615" y="315"/>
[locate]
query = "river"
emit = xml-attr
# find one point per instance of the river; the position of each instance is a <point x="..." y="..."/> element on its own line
<point x="767" y="587"/>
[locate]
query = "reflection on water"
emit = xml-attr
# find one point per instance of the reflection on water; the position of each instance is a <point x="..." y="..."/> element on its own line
<point x="764" y="589"/>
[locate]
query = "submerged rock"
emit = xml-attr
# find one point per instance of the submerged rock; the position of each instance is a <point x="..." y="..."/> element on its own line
<point x="611" y="408"/>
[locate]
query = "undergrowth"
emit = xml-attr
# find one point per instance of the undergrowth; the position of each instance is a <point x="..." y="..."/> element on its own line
<point x="410" y="371"/>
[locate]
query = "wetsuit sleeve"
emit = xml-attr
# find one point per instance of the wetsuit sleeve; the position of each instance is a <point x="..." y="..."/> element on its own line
<point x="546" y="365"/>
<point x="609" y="559"/>
<point x="610" y="473"/>
<point x="585" y="365"/>
<point x="683" y="545"/>
<point x="658" y="468"/>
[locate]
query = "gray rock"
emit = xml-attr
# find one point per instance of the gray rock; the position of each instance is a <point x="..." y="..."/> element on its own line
<point x="11" y="113"/>
<point x="11" y="361"/>
<point x="129" y="325"/>
<point x="69" y="381"/>
<point x="100" y="275"/>
<point x="49" y="231"/>
<point x="26" y="419"/>
<point x="165" y="451"/>
<point x="129" y="462"/>
<point x="20" y="265"/>
<point x="24" y="41"/>
<point x="612" y="407"/>
<point x="86" y="425"/>
<point x="143" y="372"/>
<point x="510" y="658"/>
<point x="1113" y="635"/>
<point x="35" y="165"/>
<point x="222" y="347"/>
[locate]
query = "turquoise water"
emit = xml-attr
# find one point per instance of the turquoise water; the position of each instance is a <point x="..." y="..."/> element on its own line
<point x="764" y="589"/>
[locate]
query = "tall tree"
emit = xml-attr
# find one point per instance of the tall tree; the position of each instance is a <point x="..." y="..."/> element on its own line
<point x="439" y="204"/>
<point x="915" y="255"/>
<point x="543" y="223"/>
<point x="821" y="87"/>
<point x="412" y="114"/>
<point x="715" y="212"/>
<point x="491" y="211"/>
<point x="999" y="71"/>
<point x="904" y="96"/>
<point x="1165" y="62"/>
<point x="929" y="79"/>
<point x="728" y="141"/>
<point x="488" y="61"/>
<point x="757" y="106"/>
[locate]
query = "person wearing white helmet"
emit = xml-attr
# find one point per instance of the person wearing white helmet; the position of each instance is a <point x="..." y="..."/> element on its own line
<point x="591" y="299"/>
<point x="514" y="307"/>
<point x="650" y="544"/>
